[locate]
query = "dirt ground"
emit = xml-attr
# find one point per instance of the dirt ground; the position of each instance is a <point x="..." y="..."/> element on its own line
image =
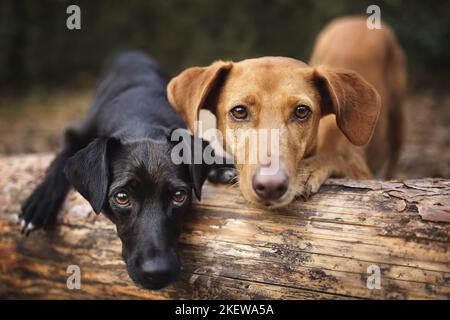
<point x="34" y="124"/>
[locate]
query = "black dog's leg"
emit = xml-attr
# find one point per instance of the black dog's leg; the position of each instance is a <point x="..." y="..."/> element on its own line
<point x="223" y="173"/>
<point x="42" y="206"/>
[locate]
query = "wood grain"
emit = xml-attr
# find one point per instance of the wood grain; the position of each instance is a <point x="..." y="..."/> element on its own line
<point x="319" y="249"/>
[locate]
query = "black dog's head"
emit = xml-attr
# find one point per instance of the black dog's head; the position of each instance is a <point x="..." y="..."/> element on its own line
<point x="145" y="194"/>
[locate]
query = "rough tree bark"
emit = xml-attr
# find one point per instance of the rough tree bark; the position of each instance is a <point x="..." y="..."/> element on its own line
<point x="320" y="249"/>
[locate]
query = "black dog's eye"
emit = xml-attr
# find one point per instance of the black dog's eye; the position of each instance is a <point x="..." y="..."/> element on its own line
<point x="179" y="197"/>
<point x="302" y="112"/>
<point x="121" y="198"/>
<point x="239" y="113"/>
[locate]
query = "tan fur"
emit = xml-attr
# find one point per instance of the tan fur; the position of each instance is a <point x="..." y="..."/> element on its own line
<point x="376" y="56"/>
<point x="345" y="106"/>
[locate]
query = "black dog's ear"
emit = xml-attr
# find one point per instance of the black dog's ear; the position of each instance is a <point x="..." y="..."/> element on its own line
<point x="200" y="167"/>
<point x="88" y="171"/>
<point x="189" y="150"/>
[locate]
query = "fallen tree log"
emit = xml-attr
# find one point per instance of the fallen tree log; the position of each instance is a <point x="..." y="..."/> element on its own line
<point x="329" y="247"/>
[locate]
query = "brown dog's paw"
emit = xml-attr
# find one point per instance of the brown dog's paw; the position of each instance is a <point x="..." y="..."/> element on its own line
<point x="309" y="188"/>
<point x="305" y="192"/>
<point x="312" y="174"/>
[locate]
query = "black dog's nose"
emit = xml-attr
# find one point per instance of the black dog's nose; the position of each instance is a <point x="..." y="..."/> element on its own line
<point x="157" y="270"/>
<point x="270" y="186"/>
<point x="154" y="272"/>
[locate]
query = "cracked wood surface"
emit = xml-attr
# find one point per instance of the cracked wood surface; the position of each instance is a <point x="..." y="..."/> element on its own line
<point x="319" y="249"/>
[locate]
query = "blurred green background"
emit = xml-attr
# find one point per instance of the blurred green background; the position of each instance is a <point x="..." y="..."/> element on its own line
<point x="37" y="51"/>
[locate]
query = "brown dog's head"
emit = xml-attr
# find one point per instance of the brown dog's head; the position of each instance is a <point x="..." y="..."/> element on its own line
<point x="284" y="100"/>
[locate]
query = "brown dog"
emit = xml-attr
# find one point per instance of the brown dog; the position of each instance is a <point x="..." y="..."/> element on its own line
<point x="325" y="113"/>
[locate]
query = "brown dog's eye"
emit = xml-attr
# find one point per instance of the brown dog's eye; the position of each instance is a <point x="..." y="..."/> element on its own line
<point x="121" y="198"/>
<point x="179" y="197"/>
<point x="302" y="112"/>
<point x="239" y="112"/>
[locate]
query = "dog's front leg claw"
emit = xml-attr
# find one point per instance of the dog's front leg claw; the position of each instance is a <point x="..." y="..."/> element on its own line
<point x="305" y="193"/>
<point x="311" y="177"/>
<point x="26" y="228"/>
<point x="222" y="175"/>
<point x="38" y="211"/>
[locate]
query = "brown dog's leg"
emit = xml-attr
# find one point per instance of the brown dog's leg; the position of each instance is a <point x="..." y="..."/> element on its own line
<point x="313" y="171"/>
<point x="396" y="75"/>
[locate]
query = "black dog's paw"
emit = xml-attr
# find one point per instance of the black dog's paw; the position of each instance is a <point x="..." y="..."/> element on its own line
<point x="222" y="175"/>
<point x="38" y="210"/>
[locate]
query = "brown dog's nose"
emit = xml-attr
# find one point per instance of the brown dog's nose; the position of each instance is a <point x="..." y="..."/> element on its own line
<point x="270" y="186"/>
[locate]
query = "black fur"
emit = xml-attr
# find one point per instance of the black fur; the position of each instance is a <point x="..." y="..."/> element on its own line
<point x="123" y="146"/>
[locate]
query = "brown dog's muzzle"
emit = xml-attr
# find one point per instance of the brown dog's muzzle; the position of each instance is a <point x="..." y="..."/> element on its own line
<point x="270" y="187"/>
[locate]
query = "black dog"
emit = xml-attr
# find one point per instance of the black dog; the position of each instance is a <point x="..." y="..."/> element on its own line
<point x="119" y="159"/>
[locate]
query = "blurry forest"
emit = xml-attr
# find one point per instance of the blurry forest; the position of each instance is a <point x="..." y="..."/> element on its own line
<point x="48" y="73"/>
<point x="36" y="48"/>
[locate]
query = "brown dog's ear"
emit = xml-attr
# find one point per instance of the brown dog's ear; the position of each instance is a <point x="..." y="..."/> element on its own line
<point x="188" y="92"/>
<point x="353" y="100"/>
